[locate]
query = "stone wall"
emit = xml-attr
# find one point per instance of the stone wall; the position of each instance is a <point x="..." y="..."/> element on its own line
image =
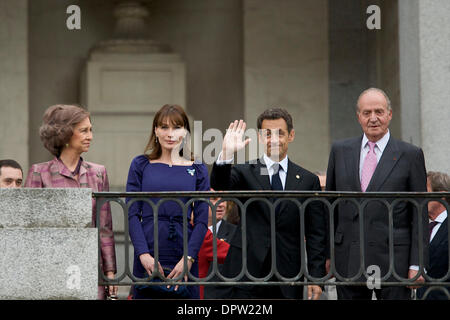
<point x="48" y="248"/>
<point x="14" y="81"/>
<point x="286" y="65"/>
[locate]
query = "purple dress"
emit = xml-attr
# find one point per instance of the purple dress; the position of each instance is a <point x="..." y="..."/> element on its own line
<point x="154" y="177"/>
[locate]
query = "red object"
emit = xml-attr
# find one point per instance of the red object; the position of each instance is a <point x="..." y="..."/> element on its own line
<point x="205" y="256"/>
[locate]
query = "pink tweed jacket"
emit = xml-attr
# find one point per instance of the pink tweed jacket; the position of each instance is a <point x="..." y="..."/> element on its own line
<point x="54" y="174"/>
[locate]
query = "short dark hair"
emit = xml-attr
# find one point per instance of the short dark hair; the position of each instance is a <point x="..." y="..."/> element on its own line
<point x="10" y="163"/>
<point x="273" y="114"/>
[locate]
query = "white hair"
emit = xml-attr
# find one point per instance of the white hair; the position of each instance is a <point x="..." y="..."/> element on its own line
<point x="388" y="101"/>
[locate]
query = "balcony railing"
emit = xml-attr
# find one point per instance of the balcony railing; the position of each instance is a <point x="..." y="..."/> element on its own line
<point x="243" y="199"/>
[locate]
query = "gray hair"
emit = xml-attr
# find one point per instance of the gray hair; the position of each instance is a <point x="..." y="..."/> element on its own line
<point x="388" y="101"/>
<point x="439" y="181"/>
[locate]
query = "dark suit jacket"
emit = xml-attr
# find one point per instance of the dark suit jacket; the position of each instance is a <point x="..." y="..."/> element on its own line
<point x="401" y="168"/>
<point x="249" y="176"/>
<point x="438" y="262"/>
<point x="226" y="231"/>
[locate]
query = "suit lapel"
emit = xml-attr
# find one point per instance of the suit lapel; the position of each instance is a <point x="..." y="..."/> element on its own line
<point x="440" y="235"/>
<point x="388" y="160"/>
<point x="261" y="174"/>
<point x="224" y="231"/>
<point x="293" y="177"/>
<point x="352" y="163"/>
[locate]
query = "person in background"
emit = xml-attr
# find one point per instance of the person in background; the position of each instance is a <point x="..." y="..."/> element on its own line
<point x="11" y="174"/>
<point x="224" y="231"/>
<point x="167" y="165"/>
<point x="66" y="132"/>
<point x="322" y="179"/>
<point x="232" y="215"/>
<point x="438" y="231"/>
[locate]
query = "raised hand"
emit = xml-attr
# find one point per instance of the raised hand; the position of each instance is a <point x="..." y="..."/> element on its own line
<point x="233" y="141"/>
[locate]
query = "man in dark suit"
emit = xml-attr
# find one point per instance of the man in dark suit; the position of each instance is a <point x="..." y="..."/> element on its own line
<point x="376" y="162"/>
<point x="224" y="231"/>
<point x="273" y="171"/>
<point x="438" y="230"/>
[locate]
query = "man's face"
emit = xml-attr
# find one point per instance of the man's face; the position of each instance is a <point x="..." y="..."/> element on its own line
<point x="276" y="138"/>
<point x="221" y="209"/>
<point x="373" y="115"/>
<point x="10" y="177"/>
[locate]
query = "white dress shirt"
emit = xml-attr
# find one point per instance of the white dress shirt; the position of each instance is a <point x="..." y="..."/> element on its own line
<point x="269" y="164"/>
<point x="217" y="226"/>
<point x="439" y="219"/>
<point x="379" y="148"/>
<point x="283" y="164"/>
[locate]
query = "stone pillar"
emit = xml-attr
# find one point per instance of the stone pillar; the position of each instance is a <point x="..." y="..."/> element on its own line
<point x="286" y="65"/>
<point x="409" y="65"/>
<point x="125" y="81"/>
<point x="434" y="33"/>
<point x="14" y="81"/>
<point x="425" y="77"/>
<point x="48" y="248"/>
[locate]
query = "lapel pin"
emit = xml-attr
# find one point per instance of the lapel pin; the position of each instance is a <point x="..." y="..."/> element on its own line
<point x="297" y="176"/>
<point x="191" y="171"/>
<point x="395" y="158"/>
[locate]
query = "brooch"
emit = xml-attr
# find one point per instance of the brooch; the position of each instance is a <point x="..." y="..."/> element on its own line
<point x="191" y="171"/>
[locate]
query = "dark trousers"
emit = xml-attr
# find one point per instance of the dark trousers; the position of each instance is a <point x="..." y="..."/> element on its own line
<point x="363" y="293"/>
<point x="261" y="291"/>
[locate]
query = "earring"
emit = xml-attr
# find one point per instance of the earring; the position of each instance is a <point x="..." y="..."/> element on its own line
<point x="67" y="145"/>
<point x="156" y="138"/>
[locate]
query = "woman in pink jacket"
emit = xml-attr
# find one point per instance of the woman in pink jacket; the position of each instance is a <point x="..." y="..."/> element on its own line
<point x="66" y="132"/>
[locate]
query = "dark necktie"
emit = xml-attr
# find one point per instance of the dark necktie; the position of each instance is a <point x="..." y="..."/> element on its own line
<point x="276" y="181"/>
<point x="431" y="225"/>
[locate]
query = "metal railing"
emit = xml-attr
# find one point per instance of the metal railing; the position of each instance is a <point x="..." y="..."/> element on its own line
<point x="243" y="199"/>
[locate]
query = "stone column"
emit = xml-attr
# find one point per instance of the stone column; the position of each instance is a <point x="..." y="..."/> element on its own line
<point x="425" y="77"/>
<point x="434" y="33"/>
<point x="409" y="65"/>
<point x="286" y="65"/>
<point x="126" y="80"/>
<point x="14" y="80"/>
<point x="48" y="248"/>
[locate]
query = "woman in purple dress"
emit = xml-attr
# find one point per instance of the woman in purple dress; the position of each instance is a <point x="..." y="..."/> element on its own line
<point x="164" y="166"/>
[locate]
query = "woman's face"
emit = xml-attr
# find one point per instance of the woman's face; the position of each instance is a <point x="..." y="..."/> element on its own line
<point x="82" y="136"/>
<point x="170" y="135"/>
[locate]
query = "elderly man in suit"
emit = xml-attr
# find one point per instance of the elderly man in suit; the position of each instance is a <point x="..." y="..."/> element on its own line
<point x="273" y="171"/>
<point x="438" y="231"/>
<point x="376" y="162"/>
